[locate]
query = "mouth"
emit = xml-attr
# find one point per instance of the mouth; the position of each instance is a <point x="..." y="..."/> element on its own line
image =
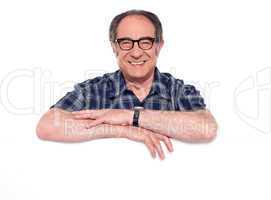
<point x="137" y="63"/>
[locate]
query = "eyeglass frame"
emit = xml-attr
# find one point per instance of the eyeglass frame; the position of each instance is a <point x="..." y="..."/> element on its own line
<point x="137" y="41"/>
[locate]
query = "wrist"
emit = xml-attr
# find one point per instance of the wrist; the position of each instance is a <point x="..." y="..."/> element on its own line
<point x="129" y="114"/>
<point x="136" y="116"/>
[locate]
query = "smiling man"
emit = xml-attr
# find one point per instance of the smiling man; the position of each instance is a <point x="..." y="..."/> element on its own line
<point x="137" y="101"/>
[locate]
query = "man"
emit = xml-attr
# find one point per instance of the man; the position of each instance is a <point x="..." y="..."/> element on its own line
<point x="137" y="101"/>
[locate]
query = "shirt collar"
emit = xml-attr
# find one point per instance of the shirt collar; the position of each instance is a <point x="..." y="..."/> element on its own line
<point x="160" y="85"/>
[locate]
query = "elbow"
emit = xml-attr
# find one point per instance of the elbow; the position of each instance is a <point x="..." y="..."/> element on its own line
<point x="47" y="133"/>
<point x="42" y="132"/>
<point x="209" y="128"/>
<point x="45" y="128"/>
<point x="50" y="127"/>
<point x="211" y="132"/>
<point x="203" y="131"/>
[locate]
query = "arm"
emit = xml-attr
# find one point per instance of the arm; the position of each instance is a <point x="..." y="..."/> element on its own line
<point x="188" y="126"/>
<point x="59" y="125"/>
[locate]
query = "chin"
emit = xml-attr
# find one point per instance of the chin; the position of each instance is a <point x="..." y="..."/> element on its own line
<point x="137" y="71"/>
<point x="139" y="74"/>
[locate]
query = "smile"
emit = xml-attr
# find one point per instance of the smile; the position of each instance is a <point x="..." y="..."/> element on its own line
<point x="137" y="63"/>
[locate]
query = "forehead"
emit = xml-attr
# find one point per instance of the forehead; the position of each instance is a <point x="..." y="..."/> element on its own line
<point x="135" y="27"/>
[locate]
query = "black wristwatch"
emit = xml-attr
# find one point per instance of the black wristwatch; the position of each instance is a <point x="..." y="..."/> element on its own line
<point x="136" y="115"/>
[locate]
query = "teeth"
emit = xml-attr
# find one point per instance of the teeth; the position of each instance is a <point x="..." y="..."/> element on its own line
<point x="137" y="63"/>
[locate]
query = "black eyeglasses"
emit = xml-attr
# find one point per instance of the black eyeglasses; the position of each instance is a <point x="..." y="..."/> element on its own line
<point x="144" y="43"/>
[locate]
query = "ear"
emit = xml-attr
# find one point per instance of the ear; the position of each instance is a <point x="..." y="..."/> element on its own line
<point x="114" y="48"/>
<point x="159" y="47"/>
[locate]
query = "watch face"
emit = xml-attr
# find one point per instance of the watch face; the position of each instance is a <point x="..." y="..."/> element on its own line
<point x="138" y="108"/>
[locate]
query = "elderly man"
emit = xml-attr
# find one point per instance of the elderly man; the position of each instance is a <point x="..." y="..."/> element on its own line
<point x="135" y="102"/>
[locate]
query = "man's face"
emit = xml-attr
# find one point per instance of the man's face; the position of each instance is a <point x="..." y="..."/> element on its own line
<point x="136" y="64"/>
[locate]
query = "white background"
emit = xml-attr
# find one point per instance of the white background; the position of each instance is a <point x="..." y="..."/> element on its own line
<point x="223" y="47"/>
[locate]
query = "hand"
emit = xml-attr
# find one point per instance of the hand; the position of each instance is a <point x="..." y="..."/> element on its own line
<point x="124" y="117"/>
<point x="151" y="140"/>
<point x="108" y="116"/>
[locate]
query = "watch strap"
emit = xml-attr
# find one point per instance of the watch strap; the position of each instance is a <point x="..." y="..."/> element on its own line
<point x="136" y="117"/>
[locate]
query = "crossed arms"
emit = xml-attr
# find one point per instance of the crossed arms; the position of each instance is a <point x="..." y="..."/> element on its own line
<point x="155" y="126"/>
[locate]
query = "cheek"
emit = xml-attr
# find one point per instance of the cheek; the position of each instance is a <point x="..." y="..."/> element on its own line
<point x="122" y="56"/>
<point x="152" y="55"/>
<point x="156" y="52"/>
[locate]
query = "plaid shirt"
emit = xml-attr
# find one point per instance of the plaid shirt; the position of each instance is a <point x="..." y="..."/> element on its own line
<point x="110" y="91"/>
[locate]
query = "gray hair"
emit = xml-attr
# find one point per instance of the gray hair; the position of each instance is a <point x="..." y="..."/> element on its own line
<point x="151" y="16"/>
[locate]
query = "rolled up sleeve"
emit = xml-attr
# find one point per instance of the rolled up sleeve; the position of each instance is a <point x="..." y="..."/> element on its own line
<point x="188" y="98"/>
<point x="72" y="101"/>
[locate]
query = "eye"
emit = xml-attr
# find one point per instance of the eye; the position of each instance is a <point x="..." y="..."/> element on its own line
<point x="126" y="44"/>
<point x="145" y="43"/>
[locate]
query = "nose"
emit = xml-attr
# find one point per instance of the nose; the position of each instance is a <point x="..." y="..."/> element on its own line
<point x="136" y="52"/>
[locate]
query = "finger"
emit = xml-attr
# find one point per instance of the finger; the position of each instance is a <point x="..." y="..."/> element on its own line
<point x="158" y="147"/>
<point x="95" y="123"/>
<point x="151" y="148"/>
<point x="84" y="116"/>
<point x="81" y="112"/>
<point x="92" y="113"/>
<point x="167" y="142"/>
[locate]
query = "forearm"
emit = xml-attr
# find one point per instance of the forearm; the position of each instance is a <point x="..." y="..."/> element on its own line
<point x="72" y="133"/>
<point x="59" y="125"/>
<point x="196" y="126"/>
<point x="193" y="126"/>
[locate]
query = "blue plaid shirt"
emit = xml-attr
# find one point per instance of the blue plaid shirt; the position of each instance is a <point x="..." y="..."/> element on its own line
<point x="110" y="91"/>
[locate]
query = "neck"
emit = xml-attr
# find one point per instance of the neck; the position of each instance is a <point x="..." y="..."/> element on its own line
<point x="140" y="83"/>
<point x="141" y="88"/>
